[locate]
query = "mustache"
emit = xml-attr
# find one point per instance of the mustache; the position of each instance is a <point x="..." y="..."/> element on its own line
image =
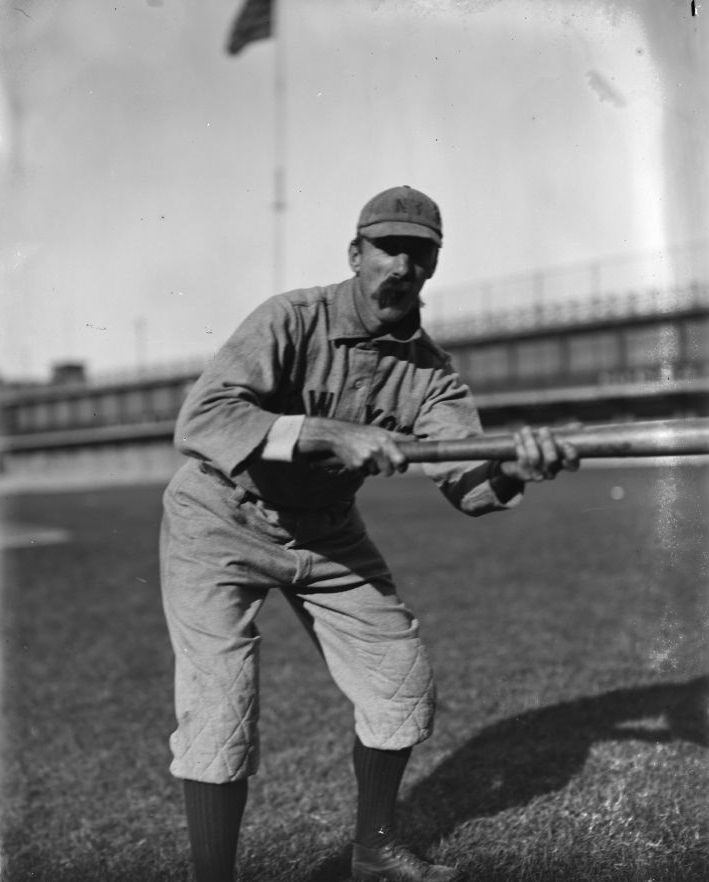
<point x="391" y="291"/>
<point x="393" y="287"/>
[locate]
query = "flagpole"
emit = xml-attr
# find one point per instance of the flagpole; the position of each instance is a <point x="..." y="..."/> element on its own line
<point x="279" y="134"/>
<point x="257" y="20"/>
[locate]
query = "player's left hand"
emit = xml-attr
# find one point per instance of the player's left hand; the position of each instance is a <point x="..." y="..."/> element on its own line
<point x="540" y="456"/>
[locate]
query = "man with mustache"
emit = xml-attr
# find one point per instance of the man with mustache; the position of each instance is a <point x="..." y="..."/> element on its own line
<point x="308" y="397"/>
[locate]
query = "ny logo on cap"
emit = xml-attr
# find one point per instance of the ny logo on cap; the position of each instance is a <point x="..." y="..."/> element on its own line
<point x="406" y="207"/>
<point x="401" y="211"/>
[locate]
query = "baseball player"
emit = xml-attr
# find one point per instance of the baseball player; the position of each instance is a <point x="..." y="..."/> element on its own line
<point x="308" y="397"/>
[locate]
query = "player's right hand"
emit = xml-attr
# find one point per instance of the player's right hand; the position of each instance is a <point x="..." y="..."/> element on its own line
<point x="355" y="447"/>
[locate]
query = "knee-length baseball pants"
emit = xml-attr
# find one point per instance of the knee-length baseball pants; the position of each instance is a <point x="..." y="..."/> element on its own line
<point x="221" y="551"/>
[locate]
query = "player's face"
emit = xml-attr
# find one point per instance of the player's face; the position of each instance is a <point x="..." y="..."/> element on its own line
<point x="392" y="271"/>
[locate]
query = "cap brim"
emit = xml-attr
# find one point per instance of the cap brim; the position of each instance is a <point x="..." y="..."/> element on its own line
<point x="400" y="228"/>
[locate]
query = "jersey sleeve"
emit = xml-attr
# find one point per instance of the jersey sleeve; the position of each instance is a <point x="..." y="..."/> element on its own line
<point x="225" y="418"/>
<point x="449" y="412"/>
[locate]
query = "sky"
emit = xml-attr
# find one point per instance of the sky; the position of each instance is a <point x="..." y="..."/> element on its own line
<point x="137" y="159"/>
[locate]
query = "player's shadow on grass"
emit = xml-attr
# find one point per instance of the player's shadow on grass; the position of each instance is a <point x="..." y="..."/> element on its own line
<point x="510" y="763"/>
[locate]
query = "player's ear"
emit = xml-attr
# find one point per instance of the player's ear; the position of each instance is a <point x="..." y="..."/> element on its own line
<point x="354" y="254"/>
<point x="431" y="268"/>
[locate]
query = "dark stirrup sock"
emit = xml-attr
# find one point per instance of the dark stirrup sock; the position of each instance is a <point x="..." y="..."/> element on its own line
<point x="214" y="814"/>
<point x="378" y="774"/>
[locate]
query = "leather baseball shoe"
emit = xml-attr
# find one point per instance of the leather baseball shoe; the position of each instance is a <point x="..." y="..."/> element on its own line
<point x="394" y="863"/>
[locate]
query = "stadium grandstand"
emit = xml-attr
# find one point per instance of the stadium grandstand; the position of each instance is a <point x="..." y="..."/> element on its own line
<point x="585" y="347"/>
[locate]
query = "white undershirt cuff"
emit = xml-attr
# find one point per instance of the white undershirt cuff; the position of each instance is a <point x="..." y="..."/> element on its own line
<point x="282" y="438"/>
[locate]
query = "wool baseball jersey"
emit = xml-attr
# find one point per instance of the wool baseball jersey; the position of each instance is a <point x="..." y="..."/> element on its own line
<point x="308" y="352"/>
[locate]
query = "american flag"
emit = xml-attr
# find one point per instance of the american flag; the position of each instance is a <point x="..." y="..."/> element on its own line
<point x="254" y="22"/>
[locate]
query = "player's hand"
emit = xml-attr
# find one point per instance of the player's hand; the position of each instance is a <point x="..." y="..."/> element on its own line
<point x="540" y="456"/>
<point x="352" y="446"/>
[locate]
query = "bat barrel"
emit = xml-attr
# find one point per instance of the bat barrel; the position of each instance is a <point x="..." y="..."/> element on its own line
<point x="658" y="438"/>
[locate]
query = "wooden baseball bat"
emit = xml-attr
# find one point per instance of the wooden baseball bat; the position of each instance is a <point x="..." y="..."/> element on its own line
<point x="657" y="438"/>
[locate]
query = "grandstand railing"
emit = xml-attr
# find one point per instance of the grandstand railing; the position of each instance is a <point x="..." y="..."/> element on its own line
<point x="186" y="367"/>
<point x="573" y="312"/>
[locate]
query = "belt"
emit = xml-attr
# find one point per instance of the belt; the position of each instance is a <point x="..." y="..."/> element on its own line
<point x="338" y="507"/>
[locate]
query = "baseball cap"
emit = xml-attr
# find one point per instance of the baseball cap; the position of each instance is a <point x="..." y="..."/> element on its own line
<point x="401" y="211"/>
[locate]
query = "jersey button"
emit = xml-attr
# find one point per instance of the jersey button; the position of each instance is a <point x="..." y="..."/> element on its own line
<point x="358" y="384"/>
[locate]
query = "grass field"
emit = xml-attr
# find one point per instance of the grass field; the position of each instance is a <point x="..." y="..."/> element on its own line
<point x="568" y="638"/>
